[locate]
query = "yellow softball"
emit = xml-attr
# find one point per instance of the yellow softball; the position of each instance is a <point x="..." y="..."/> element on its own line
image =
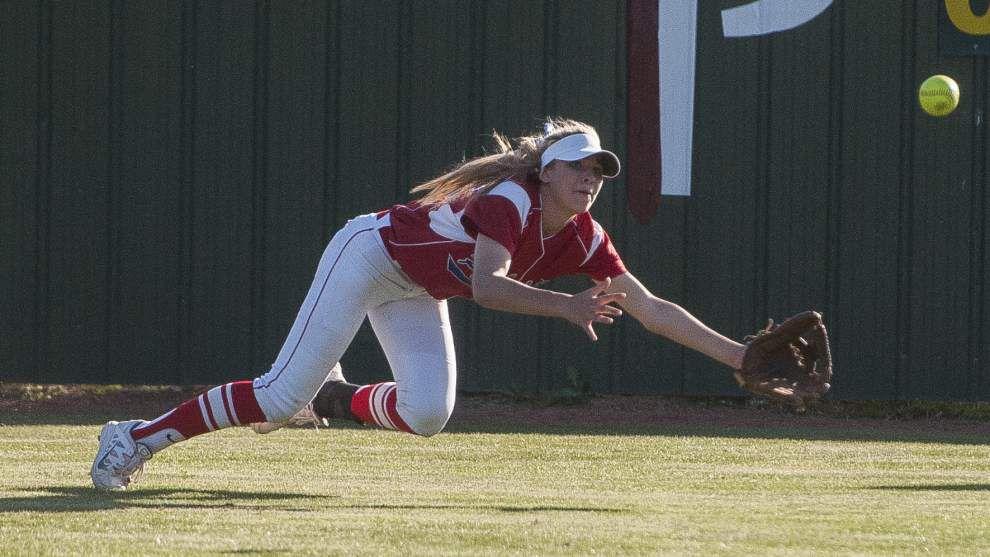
<point x="938" y="95"/>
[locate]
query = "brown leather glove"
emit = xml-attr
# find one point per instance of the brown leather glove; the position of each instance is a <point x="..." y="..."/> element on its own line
<point x="790" y="362"/>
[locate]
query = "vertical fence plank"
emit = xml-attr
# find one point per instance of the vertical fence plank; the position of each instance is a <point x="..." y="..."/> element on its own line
<point x="982" y="303"/>
<point x="941" y="220"/>
<point x="79" y="191"/>
<point x="440" y="84"/>
<point x="24" y="117"/>
<point x="367" y="156"/>
<point x="869" y="224"/>
<point x="507" y="352"/>
<point x="295" y="158"/>
<point x="639" y="361"/>
<point x="146" y="192"/>
<point x="581" y="82"/>
<point x="981" y="270"/>
<point x="220" y="316"/>
<point x="798" y="172"/>
<point x="725" y="223"/>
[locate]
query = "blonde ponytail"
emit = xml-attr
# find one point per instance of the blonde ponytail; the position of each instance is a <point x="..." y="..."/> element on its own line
<point x="521" y="163"/>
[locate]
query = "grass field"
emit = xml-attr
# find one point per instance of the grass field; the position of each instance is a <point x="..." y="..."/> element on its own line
<point x="753" y="483"/>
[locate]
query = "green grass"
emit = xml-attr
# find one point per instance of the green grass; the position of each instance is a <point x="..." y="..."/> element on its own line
<point x="557" y="490"/>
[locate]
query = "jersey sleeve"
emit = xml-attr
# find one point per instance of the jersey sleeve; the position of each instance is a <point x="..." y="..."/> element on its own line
<point x="604" y="261"/>
<point x="494" y="216"/>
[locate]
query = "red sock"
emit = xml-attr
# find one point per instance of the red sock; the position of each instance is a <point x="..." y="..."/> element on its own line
<point x="375" y="404"/>
<point x="228" y="405"/>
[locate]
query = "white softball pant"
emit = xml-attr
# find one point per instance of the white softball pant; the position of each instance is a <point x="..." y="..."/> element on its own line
<point x="357" y="278"/>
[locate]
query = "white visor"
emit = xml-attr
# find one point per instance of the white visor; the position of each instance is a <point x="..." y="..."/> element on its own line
<point x="581" y="146"/>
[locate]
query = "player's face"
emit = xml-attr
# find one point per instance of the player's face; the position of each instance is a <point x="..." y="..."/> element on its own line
<point x="573" y="186"/>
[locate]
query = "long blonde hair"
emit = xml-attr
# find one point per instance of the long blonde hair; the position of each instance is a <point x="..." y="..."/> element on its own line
<point x="521" y="163"/>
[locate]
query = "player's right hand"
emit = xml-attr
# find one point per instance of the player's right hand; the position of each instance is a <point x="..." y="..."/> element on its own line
<point x="591" y="306"/>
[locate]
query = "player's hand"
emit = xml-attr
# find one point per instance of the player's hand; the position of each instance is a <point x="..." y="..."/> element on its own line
<point x="591" y="306"/>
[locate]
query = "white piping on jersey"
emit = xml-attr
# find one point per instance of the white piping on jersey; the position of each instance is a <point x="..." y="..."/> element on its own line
<point x="596" y="241"/>
<point x="394" y="243"/>
<point x="579" y="240"/>
<point x="539" y="223"/>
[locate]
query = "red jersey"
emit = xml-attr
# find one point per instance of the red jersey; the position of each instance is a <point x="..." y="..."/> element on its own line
<point x="434" y="244"/>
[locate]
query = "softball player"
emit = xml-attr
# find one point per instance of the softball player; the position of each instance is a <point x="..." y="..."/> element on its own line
<point x="491" y="230"/>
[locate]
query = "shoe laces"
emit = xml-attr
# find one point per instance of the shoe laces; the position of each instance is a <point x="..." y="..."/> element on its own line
<point x="135" y="468"/>
<point x="136" y="474"/>
<point x="307" y="417"/>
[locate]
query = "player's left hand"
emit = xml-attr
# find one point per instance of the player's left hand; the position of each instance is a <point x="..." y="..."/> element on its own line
<point x="790" y="362"/>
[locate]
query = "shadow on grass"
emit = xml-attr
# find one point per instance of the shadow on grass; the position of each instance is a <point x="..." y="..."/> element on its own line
<point x="934" y="487"/>
<point x="502" y="508"/>
<point x="81" y="499"/>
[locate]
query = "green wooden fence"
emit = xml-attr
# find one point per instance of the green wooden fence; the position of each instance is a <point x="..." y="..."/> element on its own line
<point x="171" y="171"/>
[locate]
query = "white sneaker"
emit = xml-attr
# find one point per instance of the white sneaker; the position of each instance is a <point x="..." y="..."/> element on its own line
<point x="305" y="417"/>
<point x="119" y="459"/>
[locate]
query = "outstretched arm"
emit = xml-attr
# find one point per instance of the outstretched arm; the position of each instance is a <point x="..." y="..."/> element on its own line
<point x="493" y="289"/>
<point x="674" y="322"/>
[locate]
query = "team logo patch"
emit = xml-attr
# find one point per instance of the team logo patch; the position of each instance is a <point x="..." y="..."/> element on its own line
<point x="461" y="269"/>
